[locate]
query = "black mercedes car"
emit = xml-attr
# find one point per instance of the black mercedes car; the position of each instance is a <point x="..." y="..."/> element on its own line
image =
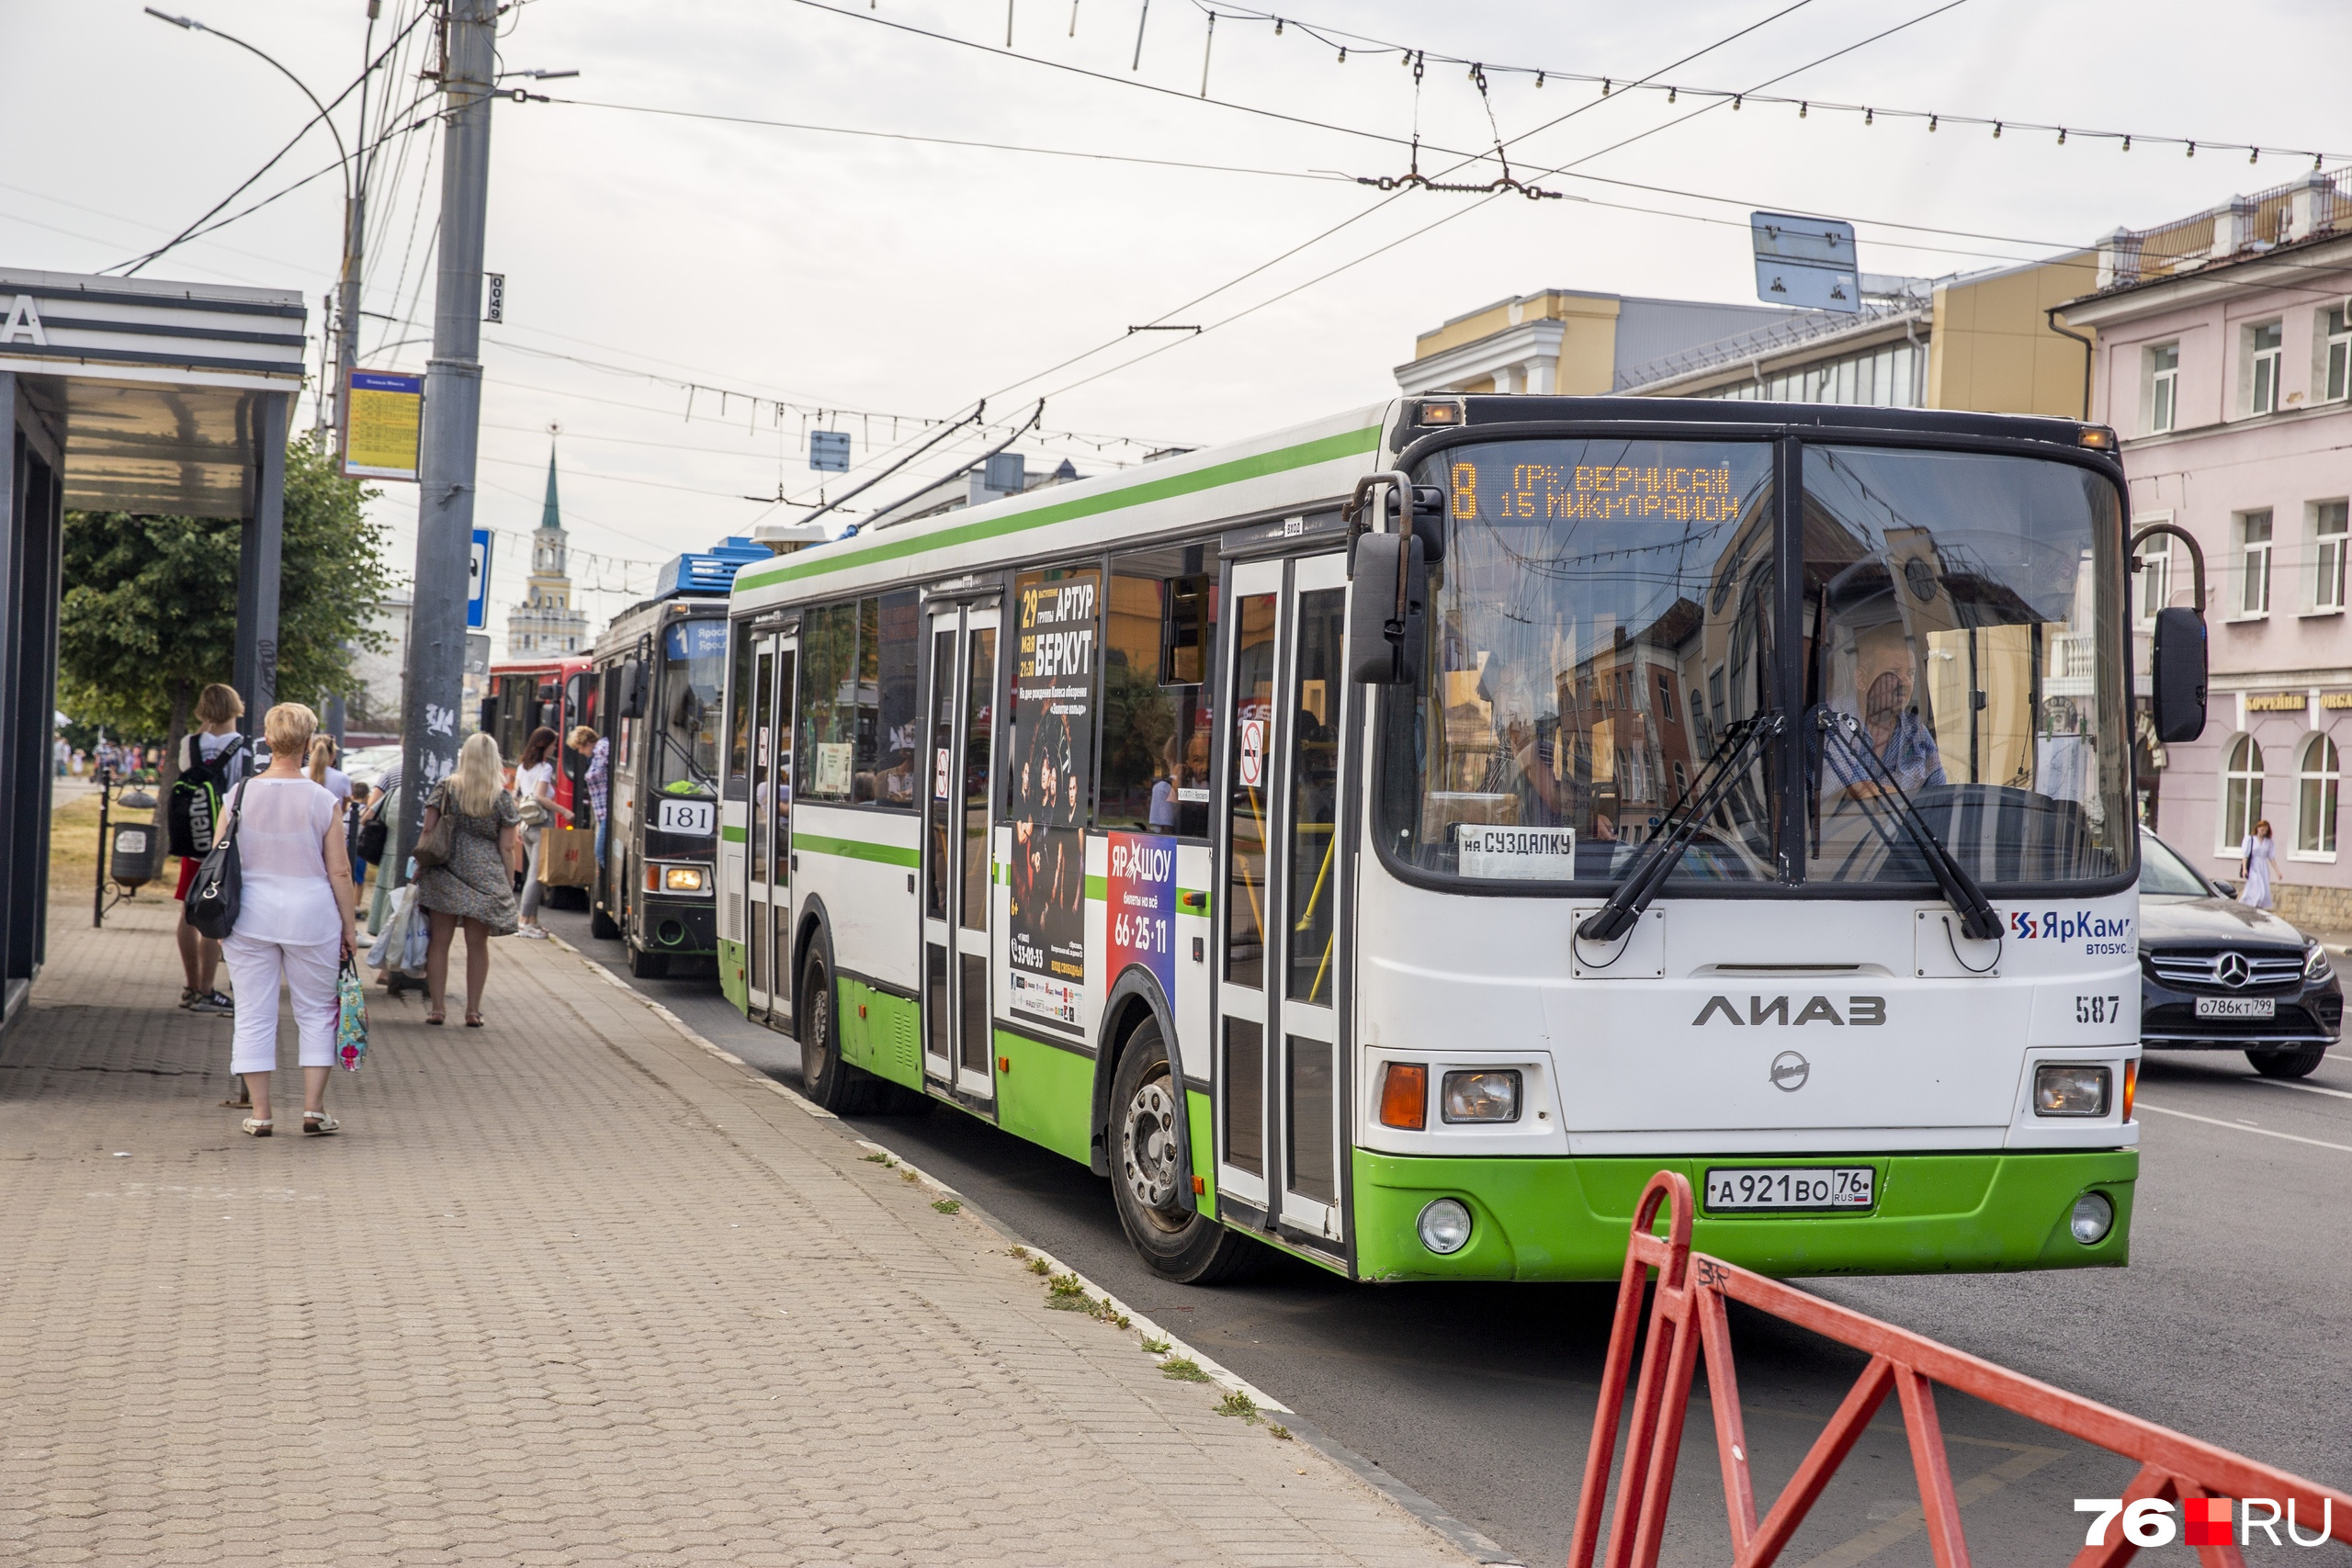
<point x="2216" y="974"/>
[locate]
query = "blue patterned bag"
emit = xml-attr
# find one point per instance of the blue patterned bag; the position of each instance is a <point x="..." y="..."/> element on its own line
<point x="351" y="1029"/>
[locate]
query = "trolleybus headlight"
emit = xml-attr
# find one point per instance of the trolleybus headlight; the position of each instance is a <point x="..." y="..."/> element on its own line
<point x="1445" y="1227"/>
<point x="2070" y="1090"/>
<point x="1486" y="1095"/>
<point x="2093" y="1217"/>
<point x="1405" y="1096"/>
<point x="677" y="879"/>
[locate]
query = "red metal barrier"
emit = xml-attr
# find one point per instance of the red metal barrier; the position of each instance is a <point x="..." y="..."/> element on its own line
<point x="1686" y="1320"/>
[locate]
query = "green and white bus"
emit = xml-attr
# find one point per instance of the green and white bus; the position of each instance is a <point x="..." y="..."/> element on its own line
<point x="1393" y="840"/>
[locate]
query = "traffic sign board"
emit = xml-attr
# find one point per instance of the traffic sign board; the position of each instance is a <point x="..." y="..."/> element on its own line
<point x="478" y="583"/>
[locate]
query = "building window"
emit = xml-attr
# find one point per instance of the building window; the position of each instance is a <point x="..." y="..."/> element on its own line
<point x="2163" y="387"/>
<point x="2254" y="563"/>
<point x="2241" y="792"/>
<point x="2316" y="783"/>
<point x="2339" y="355"/>
<point x="2328" y="542"/>
<point x="2156" y="572"/>
<point x="2262" y="347"/>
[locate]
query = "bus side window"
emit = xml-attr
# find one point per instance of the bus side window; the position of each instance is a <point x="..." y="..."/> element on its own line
<point x="1156" y="717"/>
<point x="899" y="620"/>
<point x="822" y="760"/>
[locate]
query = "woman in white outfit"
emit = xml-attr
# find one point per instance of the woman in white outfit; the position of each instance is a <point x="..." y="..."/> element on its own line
<point x="2260" y="854"/>
<point x="294" y="920"/>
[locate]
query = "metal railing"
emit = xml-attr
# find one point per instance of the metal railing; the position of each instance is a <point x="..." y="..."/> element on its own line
<point x="1777" y="338"/>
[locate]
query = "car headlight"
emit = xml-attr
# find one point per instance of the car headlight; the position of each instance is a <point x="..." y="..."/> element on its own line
<point x="2316" y="963"/>
<point x="2093" y="1217"/>
<point x="1445" y="1227"/>
<point x="2070" y="1090"/>
<point x="1485" y="1094"/>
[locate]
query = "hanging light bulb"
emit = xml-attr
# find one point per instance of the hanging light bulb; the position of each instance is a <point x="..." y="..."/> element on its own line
<point x="1802" y="107"/>
<point x="1996" y="130"/>
<point x="1931" y="121"/>
<point x="2255" y="157"/>
<point x="1869" y="116"/>
<point x="2192" y="149"/>
<point x="2126" y="144"/>
<point x="1605" y="85"/>
<point x="1278" y="27"/>
<point x="2316" y="160"/>
<point x="2062" y="136"/>
<point x="1343" y="57"/>
<point x="1539" y="81"/>
<point x="1735" y="102"/>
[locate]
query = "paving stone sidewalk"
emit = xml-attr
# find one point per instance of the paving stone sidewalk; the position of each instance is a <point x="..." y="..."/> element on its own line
<point x="567" y="1289"/>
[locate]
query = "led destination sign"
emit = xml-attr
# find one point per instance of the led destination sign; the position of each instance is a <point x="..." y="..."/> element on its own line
<point x="1593" y="492"/>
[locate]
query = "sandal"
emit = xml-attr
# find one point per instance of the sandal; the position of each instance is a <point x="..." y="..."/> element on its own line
<point x="317" y="1124"/>
<point x="436" y="1017"/>
<point x="473" y="1020"/>
<point x="256" y="1128"/>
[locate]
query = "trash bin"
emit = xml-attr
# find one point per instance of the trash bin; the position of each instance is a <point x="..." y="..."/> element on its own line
<point x="133" y="852"/>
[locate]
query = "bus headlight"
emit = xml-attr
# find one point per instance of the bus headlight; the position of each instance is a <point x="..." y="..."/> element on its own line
<point x="1444" y="1226"/>
<point x="666" y="878"/>
<point x="2070" y="1090"/>
<point x="1484" y="1095"/>
<point x="2093" y="1217"/>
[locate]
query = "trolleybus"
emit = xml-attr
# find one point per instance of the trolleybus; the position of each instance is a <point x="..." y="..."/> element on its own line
<point x="1394" y="840"/>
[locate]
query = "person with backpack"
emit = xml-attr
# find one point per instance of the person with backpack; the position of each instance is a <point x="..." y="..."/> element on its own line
<point x="212" y="760"/>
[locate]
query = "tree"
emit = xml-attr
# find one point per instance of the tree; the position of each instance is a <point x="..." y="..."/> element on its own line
<point x="150" y="608"/>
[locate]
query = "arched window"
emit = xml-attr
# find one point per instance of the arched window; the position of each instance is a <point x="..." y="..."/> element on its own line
<point x="2316" y="782"/>
<point x="2241" y="791"/>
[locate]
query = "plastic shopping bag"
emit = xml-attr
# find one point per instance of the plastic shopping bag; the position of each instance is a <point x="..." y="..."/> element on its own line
<point x="351" y="1028"/>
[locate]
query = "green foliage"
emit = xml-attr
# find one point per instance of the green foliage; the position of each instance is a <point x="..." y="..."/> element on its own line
<point x="150" y="609"/>
<point x="1182" y="1369"/>
<point x="1239" y="1404"/>
<point x="948" y="1205"/>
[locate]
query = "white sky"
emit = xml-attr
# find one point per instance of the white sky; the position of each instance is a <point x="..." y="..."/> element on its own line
<point x="912" y="278"/>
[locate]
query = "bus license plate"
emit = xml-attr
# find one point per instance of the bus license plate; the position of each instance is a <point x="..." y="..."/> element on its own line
<point x="2237" y="1007"/>
<point x="1811" y="1186"/>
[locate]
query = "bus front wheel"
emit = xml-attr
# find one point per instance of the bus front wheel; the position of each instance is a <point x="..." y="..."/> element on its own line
<point x="832" y="1083"/>
<point x="1148" y="1171"/>
<point x="648" y="965"/>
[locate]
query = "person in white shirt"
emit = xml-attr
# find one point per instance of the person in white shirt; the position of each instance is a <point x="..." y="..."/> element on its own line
<point x="535" y="782"/>
<point x="322" y="771"/>
<point x="294" y="918"/>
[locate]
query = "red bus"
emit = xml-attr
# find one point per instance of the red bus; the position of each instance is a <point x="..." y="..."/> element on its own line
<point x="558" y="693"/>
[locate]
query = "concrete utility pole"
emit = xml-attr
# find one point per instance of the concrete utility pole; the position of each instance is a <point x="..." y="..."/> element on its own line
<point x="445" y="508"/>
<point x="354" y="245"/>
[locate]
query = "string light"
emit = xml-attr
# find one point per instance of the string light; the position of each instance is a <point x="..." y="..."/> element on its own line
<point x="2126" y="144"/>
<point x="2255" y="157"/>
<point x="1996" y="130"/>
<point x="1605" y="85"/>
<point x="1869" y="116"/>
<point x="1734" y="100"/>
<point x="1931" y="121"/>
<point x="1801" y="109"/>
<point x="1670" y="93"/>
<point x="2192" y="149"/>
<point x="1343" y="57"/>
<point x="2062" y="136"/>
<point x="1539" y="81"/>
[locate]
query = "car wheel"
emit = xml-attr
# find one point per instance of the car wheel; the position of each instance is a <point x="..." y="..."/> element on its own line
<point x="1148" y="1171"/>
<point x="2288" y="1064"/>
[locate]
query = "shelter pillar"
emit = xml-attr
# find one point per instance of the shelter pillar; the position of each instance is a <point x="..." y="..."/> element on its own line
<point x="258" y="551"/>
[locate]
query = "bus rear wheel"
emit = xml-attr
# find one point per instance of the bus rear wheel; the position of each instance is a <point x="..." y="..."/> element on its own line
<point x="825" y="1078"/>
<point x="1149" y="1172"/>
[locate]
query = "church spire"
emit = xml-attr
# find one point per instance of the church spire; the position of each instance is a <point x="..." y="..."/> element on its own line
<point x="550" y="515"/>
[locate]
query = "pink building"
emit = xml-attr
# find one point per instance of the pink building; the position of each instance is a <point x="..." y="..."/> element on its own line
<point x="2223" y="359"/>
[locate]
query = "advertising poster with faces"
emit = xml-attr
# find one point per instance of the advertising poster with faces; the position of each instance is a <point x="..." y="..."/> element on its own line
<point x="1053" y="759"/>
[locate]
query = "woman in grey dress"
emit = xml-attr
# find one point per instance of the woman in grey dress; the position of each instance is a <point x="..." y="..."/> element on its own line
<point x="475" y="888"/>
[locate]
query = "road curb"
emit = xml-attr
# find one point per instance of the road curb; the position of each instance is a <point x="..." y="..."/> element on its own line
<point x="1435" y="1519"/>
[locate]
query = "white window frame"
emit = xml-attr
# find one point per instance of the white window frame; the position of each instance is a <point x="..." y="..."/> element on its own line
<point x="2245" y="811"/>
<point x="2252" y="561"/>
<point x="2152" y="591"/>
<point x="2332" y="357"/>
<point x="2161" y="399"/>
<point x="2262" y="367"/>
<point x="2319" y="748"/>
<point x="2327" y="524"/>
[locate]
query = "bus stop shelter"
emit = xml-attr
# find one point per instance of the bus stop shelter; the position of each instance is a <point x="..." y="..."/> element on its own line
<point x="124" y="395"/>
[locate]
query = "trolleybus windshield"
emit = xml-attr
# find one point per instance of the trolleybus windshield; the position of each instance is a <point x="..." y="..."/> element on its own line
<point x="686" y="754"/>
<point x="1606" y="610"/>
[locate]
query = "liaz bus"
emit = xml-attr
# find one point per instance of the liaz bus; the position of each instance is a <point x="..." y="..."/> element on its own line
<point x="1393" y="840"/>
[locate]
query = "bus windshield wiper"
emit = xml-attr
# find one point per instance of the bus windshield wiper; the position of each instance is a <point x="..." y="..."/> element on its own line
<point x="1978" y="919"/>
<point x="694" y="769"/>
<point x="1648" y="874"/>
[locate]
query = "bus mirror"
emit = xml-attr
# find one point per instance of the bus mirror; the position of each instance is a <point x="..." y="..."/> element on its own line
<point x="633" y="689"/>
<point x="1384" y="628"/>
<point x="2178" y="676"/>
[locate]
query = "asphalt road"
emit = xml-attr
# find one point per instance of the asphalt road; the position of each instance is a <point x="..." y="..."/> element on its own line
<point x="2231" y="1325"/>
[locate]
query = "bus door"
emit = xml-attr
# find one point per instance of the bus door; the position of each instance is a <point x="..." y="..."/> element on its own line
<point x="958" y="895"/>
<point x="1281" y="1069"/>
<point x="767" y="928"/>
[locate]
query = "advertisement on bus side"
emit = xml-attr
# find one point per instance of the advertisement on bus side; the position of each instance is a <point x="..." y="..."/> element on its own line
<point x="1053" y="756"/>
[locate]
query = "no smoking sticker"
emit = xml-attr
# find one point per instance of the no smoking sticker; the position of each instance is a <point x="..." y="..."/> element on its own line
<point x="1253" y="753"/>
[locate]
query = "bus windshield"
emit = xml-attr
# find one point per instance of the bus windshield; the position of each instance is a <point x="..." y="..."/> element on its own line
<point x="1603" y="612"/>
<point x="1608" y="612"/>
<point x="693" y="676"/>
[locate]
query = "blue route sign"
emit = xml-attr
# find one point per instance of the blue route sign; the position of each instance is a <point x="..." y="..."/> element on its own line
<point x="478" y="583"/>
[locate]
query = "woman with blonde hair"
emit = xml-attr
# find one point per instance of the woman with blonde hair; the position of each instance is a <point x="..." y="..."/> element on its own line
<point x="476" y="887"/>
<point x="322" y="771"/>
<point x="294" y="918"/>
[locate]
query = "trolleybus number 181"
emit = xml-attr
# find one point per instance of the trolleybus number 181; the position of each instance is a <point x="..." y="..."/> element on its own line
<point x="1815" y="1186"/>
<point x="684" y="817"/>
